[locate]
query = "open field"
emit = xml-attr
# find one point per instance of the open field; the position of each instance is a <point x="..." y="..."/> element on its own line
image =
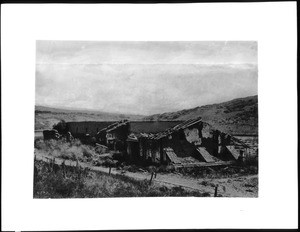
<point x="54" y="181"/>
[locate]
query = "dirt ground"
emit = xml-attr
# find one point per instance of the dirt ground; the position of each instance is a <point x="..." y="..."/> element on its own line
<point x="243" y="186"/>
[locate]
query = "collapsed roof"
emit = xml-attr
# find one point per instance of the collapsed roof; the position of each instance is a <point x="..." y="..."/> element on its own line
<point x="156" y="130"/>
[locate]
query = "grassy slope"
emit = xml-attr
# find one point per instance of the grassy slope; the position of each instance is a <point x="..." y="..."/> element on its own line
<point x="53" y="181"/>
<point x="238" y="116"/>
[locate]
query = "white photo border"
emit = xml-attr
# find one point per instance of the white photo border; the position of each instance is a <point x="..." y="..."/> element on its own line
<point x="272" y="25"/>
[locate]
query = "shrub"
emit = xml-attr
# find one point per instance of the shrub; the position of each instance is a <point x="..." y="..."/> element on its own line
<point x="109" y="163"/>
<point x="132" y="168"/>
<point x="206" y="194"/>
<point x="39" y="144"/>
<point x="87" y="152"/>
<point x="205" y="183"/>
<point x="76" y="142"/>
<point x="61" y="127"/>
<point x="73" y="150"/>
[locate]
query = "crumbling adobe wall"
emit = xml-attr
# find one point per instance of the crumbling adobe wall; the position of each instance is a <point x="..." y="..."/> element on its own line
<point x="116" y="138"/>
<point x="153" y="151"/>
<point x="149" y="150"/>
<point x="120" y="133"/>
<point x="215" y="141"/>
<point x="101" y="138"/>
<point x="179" y="144"/>
<point x="193" y="135"/>
<point x="185" y="141"/>
<point x="133" y="151"/>
<point x="88" y="127"/>
<point x="142" y="148"/>
<point x="210" y="139"/>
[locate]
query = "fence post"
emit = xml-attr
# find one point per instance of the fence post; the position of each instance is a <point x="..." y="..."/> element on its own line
<point x="79" y="171"/>
<point x="63" y="168"/>
<point x="49" y="163"/>
<point x="52" y="164"/>
<point x="152" y="174"/>
<point x="216" y="190"/>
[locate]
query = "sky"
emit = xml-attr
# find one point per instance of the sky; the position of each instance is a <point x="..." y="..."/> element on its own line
<point x="142" y="77"/>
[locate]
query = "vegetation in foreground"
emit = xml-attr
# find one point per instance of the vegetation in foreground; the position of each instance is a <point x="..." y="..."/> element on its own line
<point x="218" y="172"/>
<point x="75" y="150"/>
<point x="54" y="181"/>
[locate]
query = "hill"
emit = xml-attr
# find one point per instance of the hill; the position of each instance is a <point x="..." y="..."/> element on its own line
<point x="238" y="116"/>
<point x="46" y="117"/>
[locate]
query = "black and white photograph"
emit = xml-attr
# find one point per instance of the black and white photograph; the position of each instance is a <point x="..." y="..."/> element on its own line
<point x="149" y="116"/>
<point x="146" y="119"/>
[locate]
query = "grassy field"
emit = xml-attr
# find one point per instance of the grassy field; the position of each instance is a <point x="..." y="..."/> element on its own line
<point x="74" y="150"/>
<point x="53" y="181"/>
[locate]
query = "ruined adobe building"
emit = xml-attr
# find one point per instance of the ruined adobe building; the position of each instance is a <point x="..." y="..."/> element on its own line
<point x="188" y="141"/>
<point x="87" y="127"/>
<point x="174" y="142"/>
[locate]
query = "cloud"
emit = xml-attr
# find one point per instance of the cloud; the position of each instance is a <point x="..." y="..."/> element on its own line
<point x="122" y="52"/>
<point x="143" y="77"/>
<point x="142" y="89"/>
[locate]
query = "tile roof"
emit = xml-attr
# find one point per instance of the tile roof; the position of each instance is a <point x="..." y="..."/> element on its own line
<point x="113" y="126"/>
<point x="119" y="124"/>
<point x="151" y="127"/>
<point x="178" y="127"/>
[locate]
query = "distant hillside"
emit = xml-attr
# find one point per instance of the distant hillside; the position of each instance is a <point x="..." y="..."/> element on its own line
<point x="46" y="117"/>
<point x="238" y="116"/>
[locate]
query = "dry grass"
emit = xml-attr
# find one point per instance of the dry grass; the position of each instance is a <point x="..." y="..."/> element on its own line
<point x="212" y="172"/>
<point x="74" y="150"/>
<point x="53" y="181"/>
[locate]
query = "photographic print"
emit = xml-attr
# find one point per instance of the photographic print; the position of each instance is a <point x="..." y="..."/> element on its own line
<point x="146" y="119"/>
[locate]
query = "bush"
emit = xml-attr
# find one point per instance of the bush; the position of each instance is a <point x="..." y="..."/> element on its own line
<point x="73" y="150"/>
<point x="39" y="144"/>
<point x="61" y="127"/>
<point x="165" y="168"/>
<point x="76" y="142"/>
<point x="110" y="163"/>
<point x="206" y="194"/>
<point x="87" y="152"/>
